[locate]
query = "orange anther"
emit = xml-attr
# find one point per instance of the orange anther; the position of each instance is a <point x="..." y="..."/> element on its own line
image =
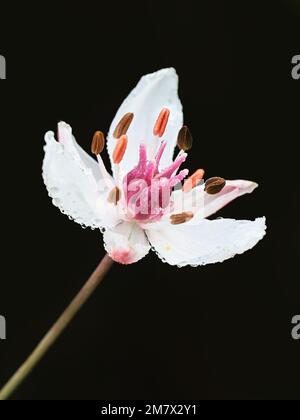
<point x="161" y="122"/>
<point x="120" y="149"/>
<point x="193" y="180"/>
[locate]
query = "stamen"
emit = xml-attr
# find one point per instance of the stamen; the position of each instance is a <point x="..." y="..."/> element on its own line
<point x="161" y="122"/>
<point x="214" y="185"/>
<point x="178" y="219"/>
<point x="98" y="143"/>
<point x="120" y="149"/>
<point x="184" y="139"/>
<point x="193" y="181"/>
<point x="114" y="196"/>
<point x="123" y="125"/>
<point x="97" y="147"/>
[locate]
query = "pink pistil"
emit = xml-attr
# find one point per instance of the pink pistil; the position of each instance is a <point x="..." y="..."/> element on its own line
<point x="167" y="173"/>
<point x="160" y="152"/>
<point x="148" y="192"/>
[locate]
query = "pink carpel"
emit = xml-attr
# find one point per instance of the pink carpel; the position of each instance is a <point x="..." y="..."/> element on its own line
<point x="147" y="191"/>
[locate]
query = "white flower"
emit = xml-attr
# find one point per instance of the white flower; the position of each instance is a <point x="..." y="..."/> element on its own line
<point x="136" y="208"/>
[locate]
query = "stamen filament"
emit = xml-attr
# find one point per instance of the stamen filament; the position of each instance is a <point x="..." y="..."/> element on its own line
<point x="102" y="167"/>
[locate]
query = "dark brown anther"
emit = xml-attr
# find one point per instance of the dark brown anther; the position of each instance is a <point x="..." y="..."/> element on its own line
<point x="123" y="125"/>
<point x="178" y="219"/>
<point x="98" y="143"/>
<point x="114" y="196"/>
<point x="214" y="185"/>
<point x="185" y="139"/>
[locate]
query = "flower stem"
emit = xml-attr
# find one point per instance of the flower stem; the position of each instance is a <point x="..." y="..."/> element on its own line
<point x="56" y="330"/>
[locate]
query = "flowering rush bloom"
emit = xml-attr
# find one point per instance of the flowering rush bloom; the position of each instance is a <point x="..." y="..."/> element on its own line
<point x="148" y="201"/>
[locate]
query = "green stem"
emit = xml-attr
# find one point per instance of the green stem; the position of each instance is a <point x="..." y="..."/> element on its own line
<point x="56" y="330"/>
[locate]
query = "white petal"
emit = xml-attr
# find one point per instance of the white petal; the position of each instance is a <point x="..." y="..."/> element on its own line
<point x="203" y="205"/>
<point x="126" y="243"/>
<point x="208" y="242"/>
<point x="154" y="92"/>
<point x="74" y="182"/>
<point x="79" y="155"/>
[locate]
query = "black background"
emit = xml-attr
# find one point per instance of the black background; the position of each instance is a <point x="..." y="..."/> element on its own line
<point x="152" y="331"/>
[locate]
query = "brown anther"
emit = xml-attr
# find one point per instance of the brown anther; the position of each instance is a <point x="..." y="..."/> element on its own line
<point x="120" y="149"/>
<point x="123" y="125"/>
<point x="98" y="143"/>
<point x="214" y="185"/>
<point x="184" y="139"/>
<point x="114" y="196"/>
<point x="161" y="122"/>
<point x="193" y="180"/>
<point x="178" y="219"/>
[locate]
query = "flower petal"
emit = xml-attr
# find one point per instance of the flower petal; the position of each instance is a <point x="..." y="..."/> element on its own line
<point x="208" y="242"/>
<point x="203" y="205"/>
<point x="126" y="243"/>
<point x="74" y="182"/>
<point x="154" y="92"/>
<point x="79" y="155"/>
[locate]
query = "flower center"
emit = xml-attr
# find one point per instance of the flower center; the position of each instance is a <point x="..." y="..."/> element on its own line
<point x="147" y="190"/>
